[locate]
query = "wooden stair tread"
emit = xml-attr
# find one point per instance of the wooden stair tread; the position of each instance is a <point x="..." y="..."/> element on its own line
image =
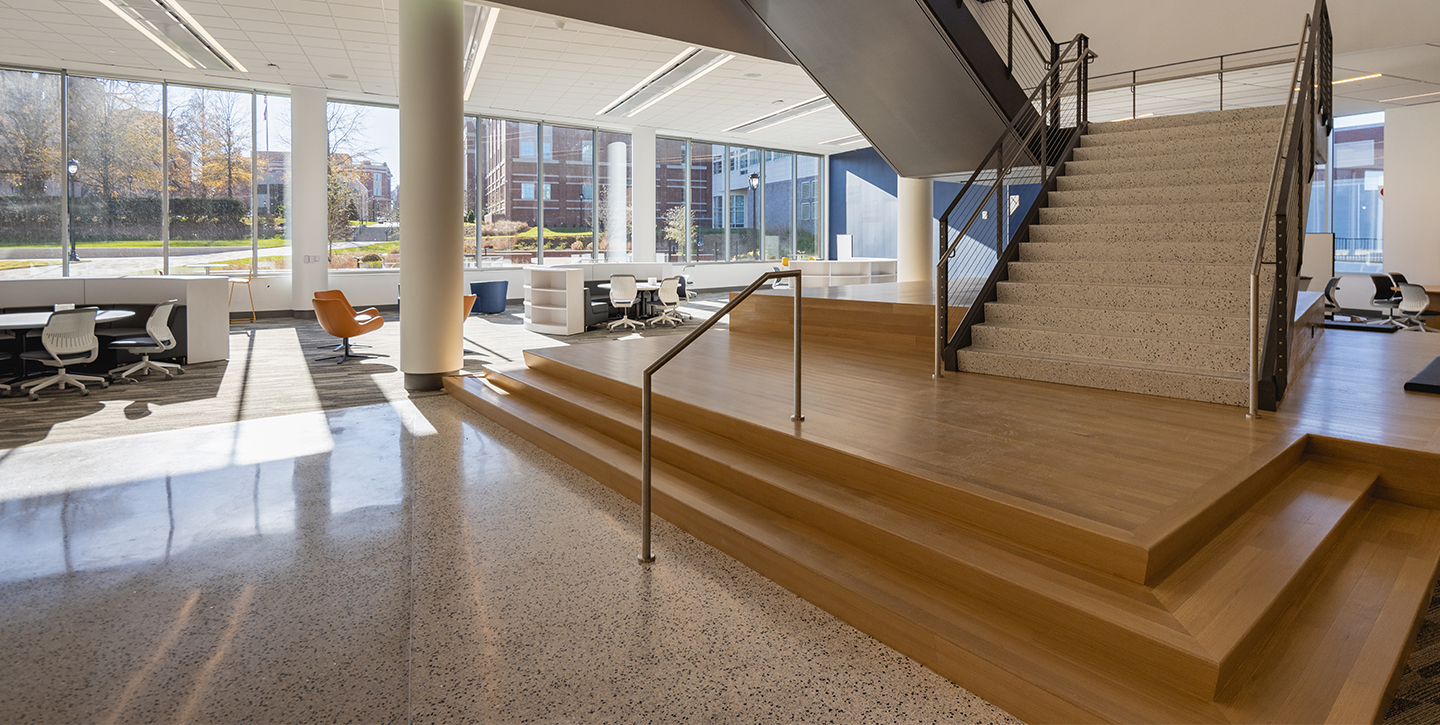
<point x="1227" y="593"/>
<point x="923" y="618"/>
<point x="1338" y="649"/>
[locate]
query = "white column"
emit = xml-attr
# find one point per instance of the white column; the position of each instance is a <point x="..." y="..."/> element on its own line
<point x="915" y="229"/>
<point x="616" y="159"/>
<point x="307" y="212"/>
<point x="642" y="195"/>
<point x="432" y="159"/>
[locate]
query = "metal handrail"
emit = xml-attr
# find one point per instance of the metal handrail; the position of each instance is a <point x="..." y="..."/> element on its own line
<point x="1048" y="104"/>
<point x="1286" y="127"/>
<point x="1133" y="71"/>
<point x="645" y="412"/>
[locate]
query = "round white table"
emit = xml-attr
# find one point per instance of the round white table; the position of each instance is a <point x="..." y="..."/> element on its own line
<point x="32" y="320"/>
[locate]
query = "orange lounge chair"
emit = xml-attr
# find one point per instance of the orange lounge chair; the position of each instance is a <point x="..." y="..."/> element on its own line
<point x="338" y="318"/>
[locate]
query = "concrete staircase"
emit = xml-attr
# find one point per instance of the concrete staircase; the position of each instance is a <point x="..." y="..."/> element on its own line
<point x="1136" y="277"/>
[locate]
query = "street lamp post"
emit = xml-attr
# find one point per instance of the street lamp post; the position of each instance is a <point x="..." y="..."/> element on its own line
<point x="755" y="213"/>
<point x="72" y="167"/>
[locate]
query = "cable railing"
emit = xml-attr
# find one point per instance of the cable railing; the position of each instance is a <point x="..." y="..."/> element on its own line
<point x="796" y="283"/>
<point x="1019" y="36"/>
<point x="1016" y="174"/>
<point x="1214" y="83"/>
<point x="1308" y="113"/>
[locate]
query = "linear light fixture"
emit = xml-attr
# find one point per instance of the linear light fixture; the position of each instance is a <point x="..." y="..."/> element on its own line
<point x="176" y="31"/>
<point x="1356" y="78"/>
<point x="482" y="26"/>
<point x="1406" y="98"/>
<point x="688" y="66"/>
<point x="803" y="108"/>
<point x="844" y="140"/>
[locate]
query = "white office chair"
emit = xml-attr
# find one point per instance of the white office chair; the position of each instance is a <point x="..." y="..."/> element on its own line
<point x="623" y="294"/>
<point x="1413" y="302"/>
<point x="669" y="302"/>
<point x="157" y="339"/>
<point x="4" y="389"/>
<point x="69" y="339"/>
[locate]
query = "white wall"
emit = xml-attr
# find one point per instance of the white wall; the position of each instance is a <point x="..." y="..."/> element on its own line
<point x="1412" y="192"/>
<point x="1131" y="34"/>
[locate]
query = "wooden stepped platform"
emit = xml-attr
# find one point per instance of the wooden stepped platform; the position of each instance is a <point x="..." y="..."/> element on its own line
<point x="1072" y="555"/>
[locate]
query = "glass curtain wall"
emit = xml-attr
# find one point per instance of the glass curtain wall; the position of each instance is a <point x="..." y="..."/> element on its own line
<point x="673" y="224"/>
<point x="272" y="181"/>
<point x="509" y="233"/>
<point x="209" y="179"/>
<point x="471" y="186"/>
<point x="779" y="198"/>
<point x="569" y="193"/>
<point x="1357" y="216"/>
<point x="744" y="188"/>
<point x="807" y="198"/>
<point x="614" y="207"/>
<point x="115" y="171"/>
<point x="31" y="175"/>
<point x="363" y="190"/>
<point x="707" y="203"/>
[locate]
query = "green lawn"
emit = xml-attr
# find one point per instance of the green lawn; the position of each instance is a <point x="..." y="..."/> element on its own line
<point x="21" y="264"/>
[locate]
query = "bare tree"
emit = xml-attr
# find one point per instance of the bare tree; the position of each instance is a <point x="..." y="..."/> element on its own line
<point x="29" y="130"/>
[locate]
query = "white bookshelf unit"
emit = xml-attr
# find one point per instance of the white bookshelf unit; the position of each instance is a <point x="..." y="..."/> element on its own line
<point x="554" y="300"/>
<point x="835" y="273"/>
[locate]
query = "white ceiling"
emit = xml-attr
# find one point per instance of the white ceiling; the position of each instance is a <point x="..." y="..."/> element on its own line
<point x="537" y="67"/>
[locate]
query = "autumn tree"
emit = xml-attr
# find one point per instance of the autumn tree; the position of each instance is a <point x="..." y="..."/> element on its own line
<point x="29" y="131"/>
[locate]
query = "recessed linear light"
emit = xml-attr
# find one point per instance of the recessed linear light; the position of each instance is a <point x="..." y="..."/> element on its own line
<point x="1356" y="78"/>
<point x="1406" y="98"/>
<point x="481" y="28"/>
<point x="844" y="140"/>
<point x="803" y="108"/>
<point x="169" y="26"/>
<point x="688" y="66"/>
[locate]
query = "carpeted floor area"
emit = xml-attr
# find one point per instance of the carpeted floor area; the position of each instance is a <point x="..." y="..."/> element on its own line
<point x="272" y="371"/>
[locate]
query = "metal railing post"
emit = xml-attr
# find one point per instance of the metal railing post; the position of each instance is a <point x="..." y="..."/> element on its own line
<point x="645" y="556"/>
<point x="798" y="417"/>
<point x="646" y="413"/>
<point x="1254" y="411"/>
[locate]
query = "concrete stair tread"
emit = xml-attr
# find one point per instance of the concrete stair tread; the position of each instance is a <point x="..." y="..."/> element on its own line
<point x="1165" y="178"/>
<point x="1100" y="310"/>
<point x="1189" y="119"/>
<point x="1103" y="285"/>
<point x="1108" y="335"/>
<point x="1130" y="364"/>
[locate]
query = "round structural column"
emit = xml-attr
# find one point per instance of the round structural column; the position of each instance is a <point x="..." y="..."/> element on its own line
<point x="432" y="154"/>
<point x="307" y="224"/>
<point x="616" y="237"/>
<point x="915" y="230"/>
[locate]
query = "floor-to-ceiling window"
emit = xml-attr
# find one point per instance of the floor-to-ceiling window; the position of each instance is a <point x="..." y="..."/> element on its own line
<point x="471" y="185"/>
<point x="115" y="171"/>
<point x="707" y="203"/>
<point x="742" y="184"/>
<point x="807" y="199"/>
<point x="272" y="181"/>
<point x="509" y="233"/>
<point x="1357" y="211"/>
<point x="569" y="193"/>
<point x="209" y="178"/>
<point x="778" y="175"/>
<point x="363" y="200"/>
<point x="32" y="170"/>
<point x="674" y="225"/>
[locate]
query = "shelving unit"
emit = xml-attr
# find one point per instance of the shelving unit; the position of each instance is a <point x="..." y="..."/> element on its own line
<point x="846" y="272"/>
<point x="554" y="300"/>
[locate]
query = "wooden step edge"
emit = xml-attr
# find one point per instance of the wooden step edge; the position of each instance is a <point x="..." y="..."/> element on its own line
<point x="1337" y="653"/>
<point x="1170" y="538"/>
<point x="1407" y="475"/>
<point x="685" y="446"/>
<point x="1232" y="632"/>
<point x="1042" y="528"/>
<point x="997" y="665"/>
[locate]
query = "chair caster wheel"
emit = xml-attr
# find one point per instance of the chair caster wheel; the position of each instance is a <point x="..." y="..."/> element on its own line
<point x="33" y="396"/>
<point x="168" y="376"/>
<point x="179" y="371"/>
<point x="84" y="392"/>
<point x="104" y="384"/>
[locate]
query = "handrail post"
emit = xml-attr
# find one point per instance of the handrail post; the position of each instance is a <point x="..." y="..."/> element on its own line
<point x="645" y="556"/>
<point x="1009" y="38"/>
<point x="1254" y="348"/>
<point x="942" y="305"/>
<point x="797" y="417"/>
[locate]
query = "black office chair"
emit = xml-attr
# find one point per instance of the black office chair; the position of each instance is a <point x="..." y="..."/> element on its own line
<point x="1329" y="296"/>
<point x="4" y="389"/>
<point x="1399" y="278"/>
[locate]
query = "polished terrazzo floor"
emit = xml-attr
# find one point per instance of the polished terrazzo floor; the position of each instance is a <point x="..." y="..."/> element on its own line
<point x="401" y="562"/>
